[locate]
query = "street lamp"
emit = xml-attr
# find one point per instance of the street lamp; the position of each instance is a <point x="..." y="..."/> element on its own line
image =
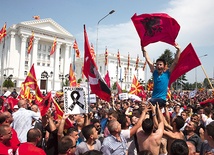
<point x="196" y="85"/>
<point x="112" y="11"/>
<point x="45" y="75"/>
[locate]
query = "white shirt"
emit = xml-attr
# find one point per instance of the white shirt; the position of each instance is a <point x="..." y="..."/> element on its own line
<point x="23" y="122"/>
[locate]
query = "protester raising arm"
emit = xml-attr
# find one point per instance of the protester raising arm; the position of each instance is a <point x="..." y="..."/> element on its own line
<point x="62" y="125"/>
<point x="177" y="55"/>
<point x="150" y="63"/>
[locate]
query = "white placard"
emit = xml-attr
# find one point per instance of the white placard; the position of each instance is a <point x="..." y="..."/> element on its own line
<point x="92" y="99"/>
<point x="74" y="100"/>
<point x="123" y="96"/>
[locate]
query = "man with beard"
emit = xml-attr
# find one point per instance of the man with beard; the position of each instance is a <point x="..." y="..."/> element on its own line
<point x="161" y="75"/>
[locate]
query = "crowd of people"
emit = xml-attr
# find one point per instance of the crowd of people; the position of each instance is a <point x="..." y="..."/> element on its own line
<point x="132" y="127"/>
<point x="153" y="126"/>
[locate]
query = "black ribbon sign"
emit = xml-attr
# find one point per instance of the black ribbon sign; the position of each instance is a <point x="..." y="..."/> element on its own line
<point x="75" y="96"/>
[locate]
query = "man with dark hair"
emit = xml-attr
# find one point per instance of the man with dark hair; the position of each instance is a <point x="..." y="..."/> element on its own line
<point x="5" y="136"/>
<point x="208" y="146"/>
<point x="30" y="147"/>
<point x="73" y="132"/>
<point x="66" y="146"/>
<point x="191" y="136"/>
<point x="161" y="76"/>
<point x="174" y="131"/>
<point x="91" y="143"/>
<point x="146" y="138"/>
<point x="179" y="147"/>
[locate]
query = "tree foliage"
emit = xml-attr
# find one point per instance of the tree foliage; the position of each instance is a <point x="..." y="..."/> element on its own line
<point x="8" y="83"/>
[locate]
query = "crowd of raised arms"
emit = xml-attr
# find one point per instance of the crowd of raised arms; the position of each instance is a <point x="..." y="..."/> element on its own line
<point x="183" y="126"/>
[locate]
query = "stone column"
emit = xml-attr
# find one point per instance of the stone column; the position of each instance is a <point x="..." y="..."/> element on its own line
<point x="66" y="59"/>
<point x="56" y="65"/>
<point x="22" y="56"/>
<point x="34" y="51"/>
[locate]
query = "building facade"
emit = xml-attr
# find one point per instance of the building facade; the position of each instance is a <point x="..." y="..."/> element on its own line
<point x="17" y="62"/>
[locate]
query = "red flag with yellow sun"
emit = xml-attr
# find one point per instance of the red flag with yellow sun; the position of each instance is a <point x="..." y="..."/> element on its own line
<point x="136" y="87"/>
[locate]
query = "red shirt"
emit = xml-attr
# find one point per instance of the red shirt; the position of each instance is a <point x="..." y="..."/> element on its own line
<point x="4" y="150"/>
<point x="14" y="141"/>
<point x="29" y="149"/>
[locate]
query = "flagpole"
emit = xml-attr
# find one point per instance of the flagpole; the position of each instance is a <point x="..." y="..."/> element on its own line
<point x="2" y="66"/>
<point x="74" y="61"/>
<point x="206" y="76"/>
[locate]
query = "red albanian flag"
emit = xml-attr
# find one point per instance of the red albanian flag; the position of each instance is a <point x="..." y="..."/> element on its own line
<point x="156" y="27"/>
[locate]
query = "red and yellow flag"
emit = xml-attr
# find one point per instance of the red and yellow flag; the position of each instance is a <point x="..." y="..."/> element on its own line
<point x="92" y="51"/>
<point x="3" y="32"/>
<point x="150" y="86"/>
<point x="53" y="48"/>
<point x="75" y="47"/>
<point x="30" y="44"/>
<point x="36" y="17"/>
<point x="168" y="94"/>
<point x="25" y="93"/>
<point x="118" y="58"/>
<point x="59" y="114"/>
<point x="136" y="87"/>
<point x="31" y="82"/>
<point x="137" y="61"/>
<point x="72" y="78"/>
<point x="106" y="57"/>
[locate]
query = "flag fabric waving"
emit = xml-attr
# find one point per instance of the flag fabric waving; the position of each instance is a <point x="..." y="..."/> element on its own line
<point x="150" y="86"/>
<point x="45" y="104"/>
<point x="137" y="61"/>
<point x="118" y="58"/>
<point x="107" y="79"/>
<point x="72" y="78"/>
<point x="136" y="87"/>
<point x="97" y="84"/>
<point x="187" y="61"/>
<point x="53" y="48"/>
<point x="59" y="113"/>
<point x="119" y="89"/>
<point x="156" y="27"/>
<point x="30" y="44"/>
<point x="128" y="64"/>
<point x="3" y="32"/>
<point x="106" y="57"/>
<point x="36" y="17"/>
<point x="92" y="51"/>
<point x="31" y="82"/>
<point x="76" y="48"/>
<point x="144" y="65"/>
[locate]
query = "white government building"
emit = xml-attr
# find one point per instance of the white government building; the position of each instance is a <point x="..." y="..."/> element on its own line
<point x="17" y="62"/>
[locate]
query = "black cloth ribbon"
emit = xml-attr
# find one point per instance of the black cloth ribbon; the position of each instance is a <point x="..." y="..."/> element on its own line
<point x="75" y="96"/>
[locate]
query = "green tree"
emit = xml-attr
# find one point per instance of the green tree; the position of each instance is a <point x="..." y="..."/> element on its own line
<point x="206" y="84"/>
<point x="114" y="87"/>
<point x="168" y="57"/>
<point x="79" y="80"/>
<point x="8" y="83"/>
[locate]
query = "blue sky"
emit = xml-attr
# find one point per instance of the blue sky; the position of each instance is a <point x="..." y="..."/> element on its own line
<point x="117" y="31"/>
